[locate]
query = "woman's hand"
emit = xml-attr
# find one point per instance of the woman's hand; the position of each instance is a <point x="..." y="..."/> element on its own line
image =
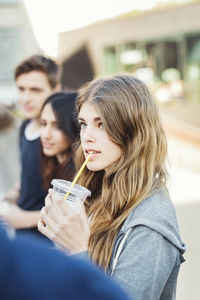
<point x="13" y="216"/>
<point x="19" y="218"/>
<point x="60" y="223"/>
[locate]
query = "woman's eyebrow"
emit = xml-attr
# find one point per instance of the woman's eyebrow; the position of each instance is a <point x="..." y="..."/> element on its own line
<point x="95" y="119"/>
<point x="80" y="119"/>
<point x="52" y="122"/>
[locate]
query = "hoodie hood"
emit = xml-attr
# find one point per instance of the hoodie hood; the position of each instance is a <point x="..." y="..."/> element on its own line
<point x="158" y="213"/>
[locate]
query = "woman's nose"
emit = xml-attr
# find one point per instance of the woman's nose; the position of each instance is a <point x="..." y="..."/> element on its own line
<point x="88" y="136"/>
<point x="46" y="132"/>
<point x="90" y="140"/>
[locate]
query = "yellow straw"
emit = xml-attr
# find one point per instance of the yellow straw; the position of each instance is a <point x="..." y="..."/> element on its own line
<point x="77" y="176"/>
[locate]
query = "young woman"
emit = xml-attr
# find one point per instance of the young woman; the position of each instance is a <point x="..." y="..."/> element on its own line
<point x="59" y="130"/>
<point x="130" y="229"/>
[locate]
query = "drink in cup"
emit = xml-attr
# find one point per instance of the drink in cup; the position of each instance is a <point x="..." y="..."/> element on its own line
<point x="77" y="193"/>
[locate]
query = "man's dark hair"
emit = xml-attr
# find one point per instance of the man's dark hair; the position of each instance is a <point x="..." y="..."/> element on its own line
<point x="42" y="64"/>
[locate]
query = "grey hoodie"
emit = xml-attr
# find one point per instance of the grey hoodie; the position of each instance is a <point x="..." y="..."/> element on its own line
<point x="148" y="250"/>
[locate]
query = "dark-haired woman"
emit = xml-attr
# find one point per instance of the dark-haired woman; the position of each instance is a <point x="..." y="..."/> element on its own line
<point x="59" y="131"/>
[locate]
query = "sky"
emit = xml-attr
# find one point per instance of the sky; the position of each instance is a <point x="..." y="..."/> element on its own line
<point x="49" y="17"/>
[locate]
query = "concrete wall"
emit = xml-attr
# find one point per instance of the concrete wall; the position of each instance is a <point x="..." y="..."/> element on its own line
<point x="185" y="194"/>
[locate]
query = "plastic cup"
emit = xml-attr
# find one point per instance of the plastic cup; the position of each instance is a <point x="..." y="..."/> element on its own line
<point x="77" y="196"/>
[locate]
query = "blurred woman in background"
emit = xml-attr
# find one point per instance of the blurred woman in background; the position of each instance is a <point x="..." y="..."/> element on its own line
<point x="59" y="130"/>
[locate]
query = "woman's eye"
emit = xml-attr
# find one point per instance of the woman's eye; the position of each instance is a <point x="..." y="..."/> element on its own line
<point x="57" y="126"/>
<point x="42" y="123"/>
<point x="82" y="125"/>
<point x="100" y="125"/>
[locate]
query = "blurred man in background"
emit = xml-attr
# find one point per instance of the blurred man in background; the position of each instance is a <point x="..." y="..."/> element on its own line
<point x="36" y="78"/>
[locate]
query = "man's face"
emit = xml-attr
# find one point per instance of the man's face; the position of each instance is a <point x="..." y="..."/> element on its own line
<point x="33" y="90"/>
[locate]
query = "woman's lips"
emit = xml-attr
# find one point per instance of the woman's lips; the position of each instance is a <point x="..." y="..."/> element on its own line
<point x="47" y="146"/>
<point x="93" y="152"/>
<point x="28" y="108"/>
<point x="88" y="151"/>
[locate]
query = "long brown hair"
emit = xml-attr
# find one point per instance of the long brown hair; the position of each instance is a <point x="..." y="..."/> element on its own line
<point x="130" y="117"/>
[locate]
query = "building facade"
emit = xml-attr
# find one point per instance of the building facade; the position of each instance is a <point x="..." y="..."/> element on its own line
<point x="17" y="42"/>
<point x="161" y="45"/>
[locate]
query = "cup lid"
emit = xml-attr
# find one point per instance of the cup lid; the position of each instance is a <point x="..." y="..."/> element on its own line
<point x="66" y="185"/>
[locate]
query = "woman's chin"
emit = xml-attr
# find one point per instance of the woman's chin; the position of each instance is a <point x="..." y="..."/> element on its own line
<point x="93" y="167"/>
<point x="48" y="152"/>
